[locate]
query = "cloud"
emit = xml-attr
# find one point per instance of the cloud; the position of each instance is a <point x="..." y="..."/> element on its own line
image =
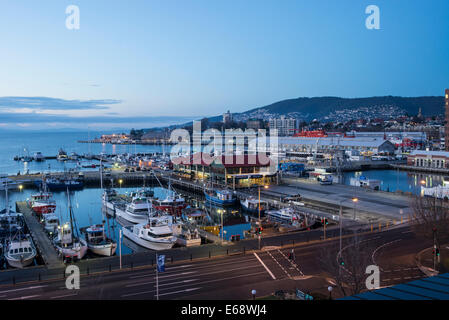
<point x="10" y="118"/>
<point x="46" y="103"/>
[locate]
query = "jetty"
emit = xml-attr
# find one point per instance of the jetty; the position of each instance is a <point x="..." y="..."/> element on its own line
<point x="40" y="237"/>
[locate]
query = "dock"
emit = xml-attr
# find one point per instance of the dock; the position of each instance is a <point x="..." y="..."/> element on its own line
<point x="40" y="237"/>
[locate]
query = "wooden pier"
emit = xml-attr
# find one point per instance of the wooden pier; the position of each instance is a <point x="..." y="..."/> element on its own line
<point x="40" y="237"/>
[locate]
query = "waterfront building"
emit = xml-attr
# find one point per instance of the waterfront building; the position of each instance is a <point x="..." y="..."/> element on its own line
<point x="428" y="159"/>
<point x="446" y="127"/>
<point x="236" y="171"/>
<point x="331" y="144"/>
<point x="285" y="126"/>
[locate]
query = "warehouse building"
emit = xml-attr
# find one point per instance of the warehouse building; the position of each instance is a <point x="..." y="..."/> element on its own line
<point x="428" y="159"/>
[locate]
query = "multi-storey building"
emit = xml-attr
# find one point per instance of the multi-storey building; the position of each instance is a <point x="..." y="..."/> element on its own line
<point x="285" y="126"/>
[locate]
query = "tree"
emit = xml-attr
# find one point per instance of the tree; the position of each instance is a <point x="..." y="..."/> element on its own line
<point x="348" y="269"/>
<point x="431" y="220"/>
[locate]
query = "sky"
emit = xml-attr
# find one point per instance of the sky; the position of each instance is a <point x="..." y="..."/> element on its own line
<point x="146" y="63"/>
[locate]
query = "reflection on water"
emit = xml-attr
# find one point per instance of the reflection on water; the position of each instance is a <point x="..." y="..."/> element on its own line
<point x="392" y="180"/>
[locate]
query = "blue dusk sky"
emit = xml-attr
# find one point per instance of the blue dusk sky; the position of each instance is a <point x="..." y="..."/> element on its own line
<point x="144" y="63"/>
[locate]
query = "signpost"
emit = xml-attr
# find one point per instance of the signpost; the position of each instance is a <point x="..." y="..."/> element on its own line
<point x="160" y="267"/>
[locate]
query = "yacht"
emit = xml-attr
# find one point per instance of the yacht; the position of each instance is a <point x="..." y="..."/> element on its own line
<point x="221" y="197"/>
<point x="156" y="234"/>
<point x="137" y="211"/>
<point x="20" y="251"/>
<point x="97" y="242"/>
<point x="251" y="205"/>
<point x="283" y="215"/>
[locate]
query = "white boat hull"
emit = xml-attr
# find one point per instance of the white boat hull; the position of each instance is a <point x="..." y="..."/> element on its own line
<point x="20" y="263"/>
<point x="78" y="251"/>
<point x="153" y="245"/>
<point x="106" y="250"/>
<point x="133" y="218"/>
<point x="188" y="243"/>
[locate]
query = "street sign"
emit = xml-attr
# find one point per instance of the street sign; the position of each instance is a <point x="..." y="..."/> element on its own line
<point x="161" y="263"/>
<point x="303" y="296"/>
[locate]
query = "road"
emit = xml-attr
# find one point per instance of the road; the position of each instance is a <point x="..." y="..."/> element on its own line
<point x="233" y="276"/>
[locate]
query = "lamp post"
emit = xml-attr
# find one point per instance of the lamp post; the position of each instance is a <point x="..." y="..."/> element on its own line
<point x="20" y="188"/>
<point x="330" y="288"/>
<point x="258" y="223"/>
<point x="120" y="183"/>
<point x="253" y="293"/>
<point x="355" y="202"/>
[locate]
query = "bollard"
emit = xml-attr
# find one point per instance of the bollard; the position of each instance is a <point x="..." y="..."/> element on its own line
<point x="14" y="280"/>
<point x="402" y="220"/>
<point x="132" y="265"/>
<point x="293" y="241"/>
<point x="209" y="254"/>
<point x="379" y="226"/>
<point x="244" y="250"/>
<point x="87" y="270"/>
<point x="190" y="257"/>
<point x="152" y="262"/>
<point x="371" y="227"/>
<point x="282" y="243"/>
<point x="39" y="277"/>
<point x="227" y="251"/>
<point x="110" y="268"/>
<point x="172" y="259"/>
<point x="63" y="275"/>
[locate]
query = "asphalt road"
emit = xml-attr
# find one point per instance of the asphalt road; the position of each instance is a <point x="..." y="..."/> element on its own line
<point x="233" y="276"/>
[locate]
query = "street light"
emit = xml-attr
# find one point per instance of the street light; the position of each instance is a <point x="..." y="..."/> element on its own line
<point x="355" y="202"/>
<point x="120" y="182"/>
<point x="259" y="224"/>
<point x="20" y="188"/>
<point x="330" y="292"/>
<point x="253" y="292"/>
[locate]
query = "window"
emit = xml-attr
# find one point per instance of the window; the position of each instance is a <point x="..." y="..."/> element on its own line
<point x="21" y="250"/>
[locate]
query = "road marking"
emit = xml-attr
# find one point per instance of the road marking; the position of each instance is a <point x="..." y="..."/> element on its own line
<point x="280" y="266"/>
<point x="23" y="298"/>
<point x="27" y="288"/>
<point x="266" y="268"/>
<point x="160" y="285"/>
<point x="380" y="247"/>
<point x="66" y="295"/>
<point x="295" y="266"/>
<point x="174" y="292"/>
<point x="208" y="281"/>
<point x="161" y="277"/>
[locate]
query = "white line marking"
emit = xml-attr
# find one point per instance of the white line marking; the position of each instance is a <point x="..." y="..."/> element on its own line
<point x="27" y="288"/>
<point x="266" y="268"/>
<point x="23" y="298"/>
<point x="160" y="285"/>
<point x="67" y="295"/>
<point x="173" y="292"/>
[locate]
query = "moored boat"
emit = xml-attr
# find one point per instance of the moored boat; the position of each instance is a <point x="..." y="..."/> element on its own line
<point x="157" y="234"/>
<point x="251" y="205"/>
<point x="137" y="211"/>
<point x="97" y="241"/>
<point x="20" y="251"/>
<point x="221" y="197"/>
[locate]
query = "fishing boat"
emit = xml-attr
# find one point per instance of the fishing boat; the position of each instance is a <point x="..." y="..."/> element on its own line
<point x="156" y="234"/>
<point x="42" y="202"/>
<point x="20" y="251"/>
<point x="50" y="222"/>
<point x="136" y="211"/>
<point x="172" y="204"/>
<point x="283" y="215"/>
<point x="221" y="197"/>
<point x="363" y="182"/>
<point x="67" y="244"/>
<point x="97" y="241"/>
<point x="251" y="205"/>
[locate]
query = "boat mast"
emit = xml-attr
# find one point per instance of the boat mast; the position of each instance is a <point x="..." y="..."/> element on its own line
<point x="70" y="214"/>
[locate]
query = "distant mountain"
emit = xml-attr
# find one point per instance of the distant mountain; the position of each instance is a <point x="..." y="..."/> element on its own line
<point x="327" y="108"/>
